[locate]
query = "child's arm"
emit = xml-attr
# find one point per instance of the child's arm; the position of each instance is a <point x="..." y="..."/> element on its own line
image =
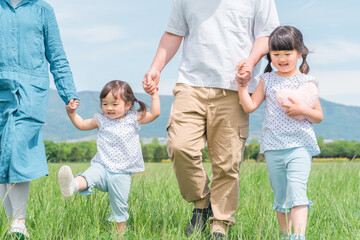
<point x="154" y="112"/>
<point x="79" y="123"/>
<point x="314" y="115"/>
<point x="250" y="104"/>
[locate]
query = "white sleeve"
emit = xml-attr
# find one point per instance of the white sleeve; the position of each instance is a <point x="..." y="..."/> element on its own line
<point x="98" y="116"/>
<point x="135" y="119"/>
<point x="177" y="23"/>
<point x="266" y="18"/>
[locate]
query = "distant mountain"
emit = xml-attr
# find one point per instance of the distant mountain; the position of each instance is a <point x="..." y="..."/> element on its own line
<point x="340" y="122"/>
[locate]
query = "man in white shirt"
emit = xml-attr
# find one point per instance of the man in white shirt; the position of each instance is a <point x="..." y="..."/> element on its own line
<point x="218" y="36"/>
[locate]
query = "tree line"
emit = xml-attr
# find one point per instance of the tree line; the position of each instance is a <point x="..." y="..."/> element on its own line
<point x="155" y="152"/>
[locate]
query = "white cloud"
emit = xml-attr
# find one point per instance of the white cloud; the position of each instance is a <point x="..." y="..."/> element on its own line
<point x="335" y="51"/>
<point x="334" y="82"/>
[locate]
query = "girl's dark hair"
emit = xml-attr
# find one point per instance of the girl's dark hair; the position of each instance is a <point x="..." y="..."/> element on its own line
<point x="123" y="90"/>
<point x="288" y="38"/>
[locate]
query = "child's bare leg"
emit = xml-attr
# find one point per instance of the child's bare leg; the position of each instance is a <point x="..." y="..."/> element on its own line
<point x="284" y="222"/>
<point x="299" y="219"/>
<point x="82" y="183"/>
<point x="121" y="227"/>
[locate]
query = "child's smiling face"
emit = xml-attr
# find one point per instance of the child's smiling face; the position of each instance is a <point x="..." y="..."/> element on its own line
<point x="114" y="108"/>
<point x="285" y="61"/>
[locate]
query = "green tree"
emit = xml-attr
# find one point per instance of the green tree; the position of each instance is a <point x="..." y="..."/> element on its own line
<point x="75" y="154"/>
<point x="52" y="151"/>
<point x="160" y="153"/>
<point x="147" y="152"/>
<point x="252" y="150"/>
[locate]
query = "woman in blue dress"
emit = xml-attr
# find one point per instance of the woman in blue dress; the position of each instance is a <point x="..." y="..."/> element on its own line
<point x="29" y="42"/>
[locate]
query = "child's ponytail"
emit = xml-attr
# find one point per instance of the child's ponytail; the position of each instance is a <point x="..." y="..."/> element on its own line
<point x="268" y="67"/>
<point x="142" y="109"/>
<point x="304" y="67"/>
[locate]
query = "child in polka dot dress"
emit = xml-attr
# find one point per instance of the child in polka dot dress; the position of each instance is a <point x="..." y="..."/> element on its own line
<point x="119" y="151"/>
<point x="288" y="140"/>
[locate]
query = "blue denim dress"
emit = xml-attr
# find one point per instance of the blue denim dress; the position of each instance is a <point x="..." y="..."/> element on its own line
<point x="29" y="43"/>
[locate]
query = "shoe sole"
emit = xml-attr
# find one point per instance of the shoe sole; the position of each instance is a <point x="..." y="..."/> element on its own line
<point x="65" y="177"/>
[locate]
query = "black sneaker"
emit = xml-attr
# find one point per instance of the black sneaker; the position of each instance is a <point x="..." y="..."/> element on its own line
<point x="217" y="236"/>
<point x="198" y="220"/>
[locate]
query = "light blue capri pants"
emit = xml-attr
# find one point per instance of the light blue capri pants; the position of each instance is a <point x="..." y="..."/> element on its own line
<point x="116" y="184"/>
<point x="289" y="171"/>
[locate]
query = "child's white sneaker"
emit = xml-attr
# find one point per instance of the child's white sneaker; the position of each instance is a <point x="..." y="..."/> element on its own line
<point x="18" y="230"/>
<point x="68" y="184"/>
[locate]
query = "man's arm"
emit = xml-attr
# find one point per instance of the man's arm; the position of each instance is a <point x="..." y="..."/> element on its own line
<point x="259" y="49"/>
<point x="168" y="46"/>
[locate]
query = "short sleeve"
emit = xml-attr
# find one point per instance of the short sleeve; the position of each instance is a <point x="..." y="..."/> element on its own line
<point x="266" y="18"/>
<point x="264" y="78"/>
<point x="135" y="120"/>
<point x="177" y="23"/>
<point x="312" y="79"/>
<point x="98" y="118"/>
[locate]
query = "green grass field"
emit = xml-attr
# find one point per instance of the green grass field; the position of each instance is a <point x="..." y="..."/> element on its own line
<point x="157" y="210"/>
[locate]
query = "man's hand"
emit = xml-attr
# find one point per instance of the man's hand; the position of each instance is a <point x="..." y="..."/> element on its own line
<point x="150" y="81"/>
<point x="244" y="73"/>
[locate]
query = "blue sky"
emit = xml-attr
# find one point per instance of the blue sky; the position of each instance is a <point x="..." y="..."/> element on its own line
<point x="106" y="40"/>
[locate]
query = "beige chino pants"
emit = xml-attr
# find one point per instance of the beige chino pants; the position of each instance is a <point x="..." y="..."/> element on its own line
<point x="199" y="115"/>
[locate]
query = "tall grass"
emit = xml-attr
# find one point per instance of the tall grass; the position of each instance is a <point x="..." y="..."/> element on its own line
<point x="157" y="210"/>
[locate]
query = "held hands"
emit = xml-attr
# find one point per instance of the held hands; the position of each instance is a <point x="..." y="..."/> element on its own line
<point x="72" y="105"/>
<point x="150" y="81"/>
<point x="244" y="73"/>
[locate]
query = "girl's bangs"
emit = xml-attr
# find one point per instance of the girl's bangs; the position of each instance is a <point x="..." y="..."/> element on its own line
<point x="281" y="43"/>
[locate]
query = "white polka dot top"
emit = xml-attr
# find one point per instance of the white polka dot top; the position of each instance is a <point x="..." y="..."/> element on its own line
<point x="279" y="130"/>
<point x="118" y="144"/>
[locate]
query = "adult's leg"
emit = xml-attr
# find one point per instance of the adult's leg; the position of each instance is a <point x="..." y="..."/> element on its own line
<point x="227" y="130"/>
<point x="186" y="139"/>
<point x="18" y="195"/>
<point x="6" y="200"/>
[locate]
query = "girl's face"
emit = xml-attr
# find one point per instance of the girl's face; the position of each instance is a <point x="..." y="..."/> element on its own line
<point x="285" y="61"/>
<point x="114" y="108"/>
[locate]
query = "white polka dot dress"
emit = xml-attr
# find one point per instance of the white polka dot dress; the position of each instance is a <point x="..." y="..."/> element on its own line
<point x="279" y="130"/>
<point x="118" y="144"/>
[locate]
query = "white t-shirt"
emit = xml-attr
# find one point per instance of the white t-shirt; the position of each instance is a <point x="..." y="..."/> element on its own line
<point x="217" y="35"/>
<point x="279" y="130"/>
<point x="118" y="144"/>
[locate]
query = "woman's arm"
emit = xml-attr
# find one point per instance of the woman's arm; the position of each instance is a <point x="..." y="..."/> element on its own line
<point x="55" y="55"/>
